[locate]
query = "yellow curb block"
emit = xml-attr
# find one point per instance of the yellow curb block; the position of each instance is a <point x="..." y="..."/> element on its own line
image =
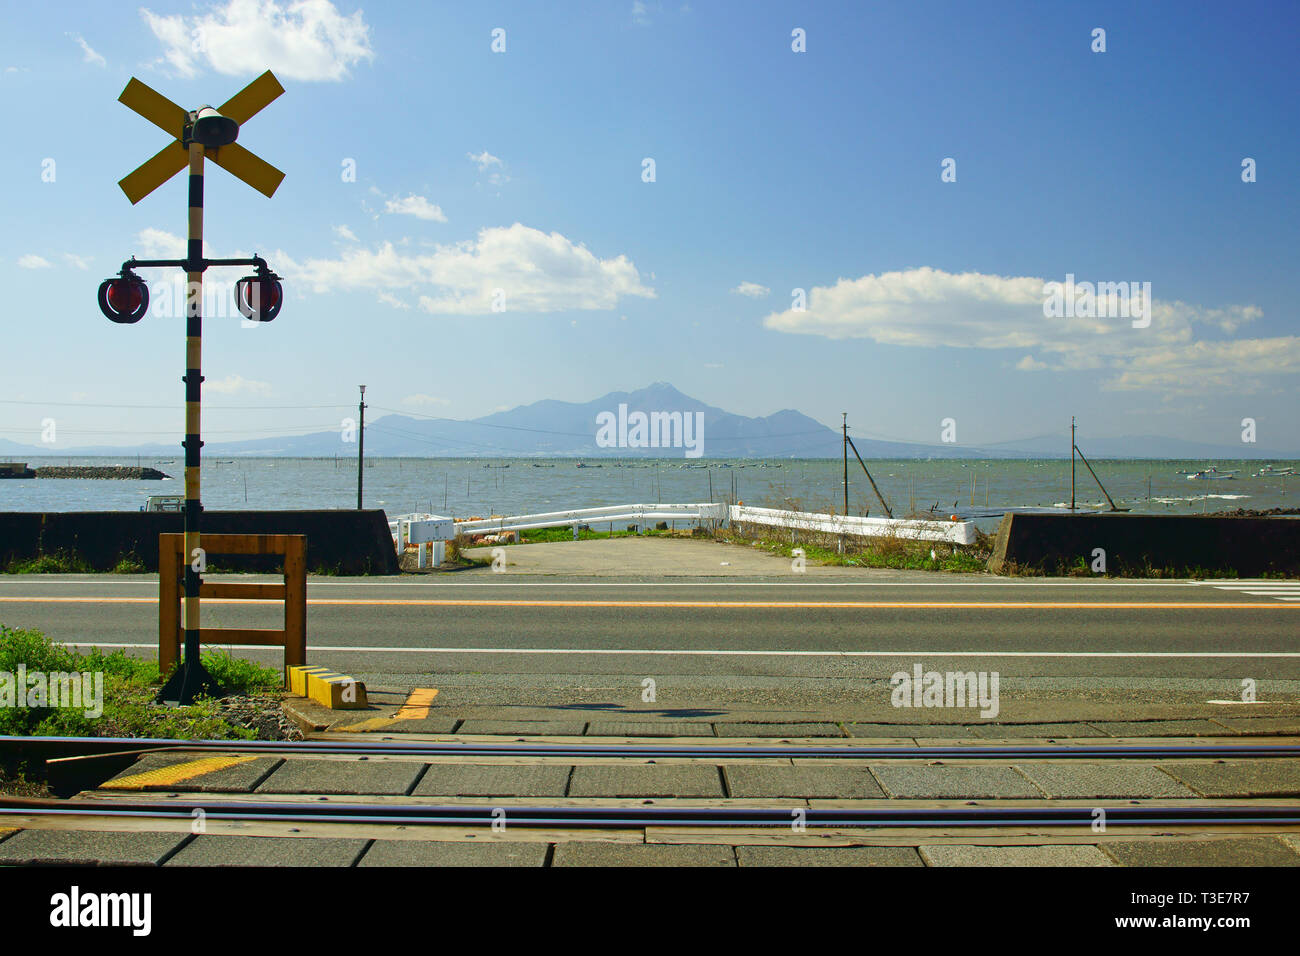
<point x="335" y="691"/>
<point x="298" y="678"/>
<point x="176" y="773"/>
<point x="417" y="704"/>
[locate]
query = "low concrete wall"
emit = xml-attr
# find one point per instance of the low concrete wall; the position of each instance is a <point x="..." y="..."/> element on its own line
<point x="1183" y="543"/>
<point x="346" y="542"/>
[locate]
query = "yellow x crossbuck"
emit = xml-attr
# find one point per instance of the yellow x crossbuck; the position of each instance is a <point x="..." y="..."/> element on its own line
<point x="174" y="157"/>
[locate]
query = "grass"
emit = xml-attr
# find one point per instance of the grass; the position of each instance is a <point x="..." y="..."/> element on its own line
<point x="1081" y="567"/>
<point x="547" y="535"/>
<point x="129" y="564"/>
<point x="130" y="685"/>
<point x="59" y="562"/>
<point x="456" y="549"/>
<point x="897" y="553"/>
<point x="67" y="562"/>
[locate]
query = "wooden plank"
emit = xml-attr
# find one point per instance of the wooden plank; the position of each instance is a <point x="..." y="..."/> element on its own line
<point x="242" y="591"/>
<point x="244" y="636"/>
<point x="246" y="543"/>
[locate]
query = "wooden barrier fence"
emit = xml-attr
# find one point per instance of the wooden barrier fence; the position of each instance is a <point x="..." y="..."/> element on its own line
<point x="293" y="592"/>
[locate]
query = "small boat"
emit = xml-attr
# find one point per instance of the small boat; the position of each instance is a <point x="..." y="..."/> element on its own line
<point x="1211" y="474"/>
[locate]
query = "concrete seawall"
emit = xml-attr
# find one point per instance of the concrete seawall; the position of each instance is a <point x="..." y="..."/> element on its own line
<point x="349" y="542"/>
<point x="1183" y="543"/>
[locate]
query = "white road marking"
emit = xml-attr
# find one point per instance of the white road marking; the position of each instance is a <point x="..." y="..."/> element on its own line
<point x="748" y="653"/>
<point x="1282" y="590"/>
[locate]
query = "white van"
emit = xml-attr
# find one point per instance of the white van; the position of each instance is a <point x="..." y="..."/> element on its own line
<point x="174" y="503"/>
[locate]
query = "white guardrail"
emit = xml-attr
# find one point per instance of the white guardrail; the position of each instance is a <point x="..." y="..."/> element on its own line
<point x="436" y="530"/>
<point x="953" y="532"/>
<point x="580" y="516"/>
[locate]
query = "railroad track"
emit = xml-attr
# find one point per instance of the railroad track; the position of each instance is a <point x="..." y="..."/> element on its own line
<point x="491" y="812"/>
<point x="61" y="749"/>
<point x="405" y="815"/>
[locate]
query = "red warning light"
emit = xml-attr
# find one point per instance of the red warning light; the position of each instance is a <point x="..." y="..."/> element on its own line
<point x="259" y="297"/>
<point x="124" y="299"/>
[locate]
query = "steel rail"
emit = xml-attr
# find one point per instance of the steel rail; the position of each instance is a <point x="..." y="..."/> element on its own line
<point x="488" y="814"/>
<point x="61" y="749"/>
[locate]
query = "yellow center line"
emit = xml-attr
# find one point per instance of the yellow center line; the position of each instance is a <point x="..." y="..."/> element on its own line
<point x="758" y="605"/>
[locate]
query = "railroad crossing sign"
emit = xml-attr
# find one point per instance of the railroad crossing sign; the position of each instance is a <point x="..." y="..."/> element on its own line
<point x="204" y="123"/>
<point x="204" y="133"/>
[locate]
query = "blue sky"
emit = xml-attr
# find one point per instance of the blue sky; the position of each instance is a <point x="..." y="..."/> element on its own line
<point x="775" y="170"/>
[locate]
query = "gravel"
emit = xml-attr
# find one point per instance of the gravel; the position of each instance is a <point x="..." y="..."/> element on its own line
<point x="261" y="714"/>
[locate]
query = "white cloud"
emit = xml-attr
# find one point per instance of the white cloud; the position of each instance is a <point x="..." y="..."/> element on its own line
<point x="89" y="55"/>
<point x="343" y="232"/>
<point x="641" y="12"/>
<point x="389" y="299"/>
<point x="484" y="160"/>
<point x="751" y="289"/>
<point x="299" y="40"/>
<point x="78" y="261"/>
<point x="930" y="308"/>
<point x="422" y="399"/>
<point x="416" y="206"/>
<point x="538" y="272"/>
<point x="236" y="385"/>
<point x="33" y="262"/>
<point x="1239" y="366"/>
<point x="160" y="244"/>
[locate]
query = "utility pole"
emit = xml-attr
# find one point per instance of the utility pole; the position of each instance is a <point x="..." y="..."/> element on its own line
<point x="1072" y="447"/>
<point x="361" y="443"/>
<point x="845" y="426"/>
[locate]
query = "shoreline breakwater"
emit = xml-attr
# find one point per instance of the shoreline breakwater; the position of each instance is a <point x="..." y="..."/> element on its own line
<point x="114" y="472"/>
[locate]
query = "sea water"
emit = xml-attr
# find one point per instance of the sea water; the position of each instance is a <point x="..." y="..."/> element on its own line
<point x="465" y="487"/>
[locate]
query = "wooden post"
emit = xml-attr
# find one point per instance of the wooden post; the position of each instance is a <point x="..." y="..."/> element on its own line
<point x="295" y="602"/>
<point x="169" y="621"/>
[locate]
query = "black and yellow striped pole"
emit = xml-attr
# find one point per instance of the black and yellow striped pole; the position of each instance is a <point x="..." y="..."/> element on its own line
<point x="194" y="679"/>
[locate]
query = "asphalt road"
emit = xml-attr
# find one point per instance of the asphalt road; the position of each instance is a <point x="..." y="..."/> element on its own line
<point x="1132" y="643"/>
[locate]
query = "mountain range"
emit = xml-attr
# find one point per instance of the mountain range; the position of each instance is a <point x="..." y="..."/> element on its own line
<point x="570" y="430"/>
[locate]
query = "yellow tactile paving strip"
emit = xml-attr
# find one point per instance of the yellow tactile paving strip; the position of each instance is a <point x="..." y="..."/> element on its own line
<point x="416" y="707"/>
<point x="368" y="726"/>
<point x="417" y="704"/>
<point x="176" y="773"/>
